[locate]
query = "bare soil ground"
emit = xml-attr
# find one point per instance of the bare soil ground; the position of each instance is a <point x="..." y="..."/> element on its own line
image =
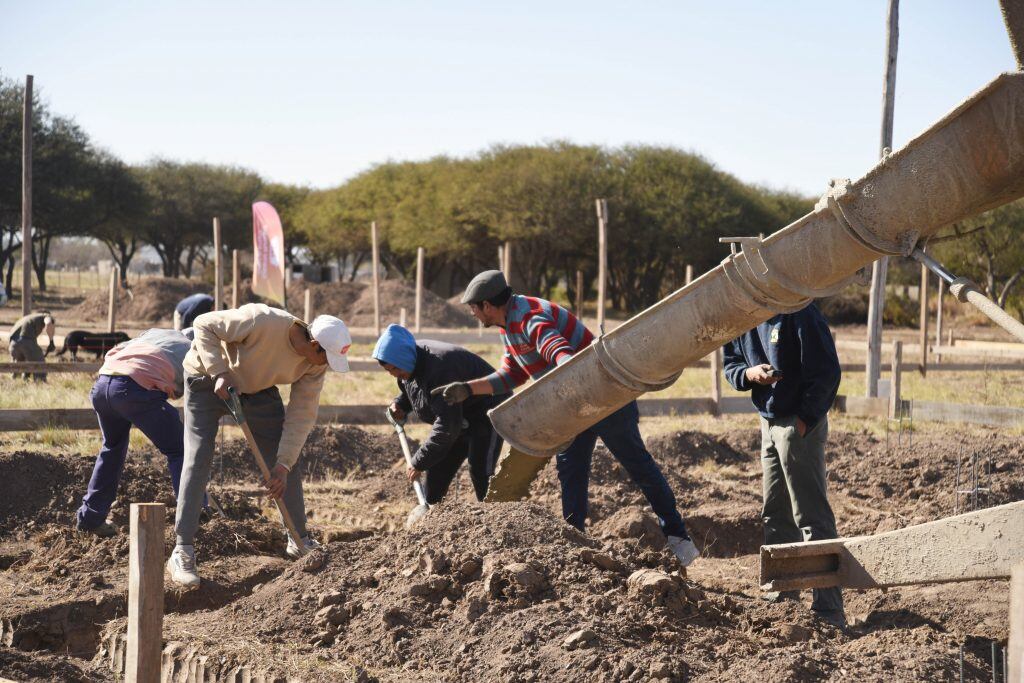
<point x="501" y="592"/>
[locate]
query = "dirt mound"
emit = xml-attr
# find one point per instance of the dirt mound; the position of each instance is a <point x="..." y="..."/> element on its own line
<point x="330" y="451"/>
<point x="43" y="667"/>
<point x="353" y="302"/>
<point x="687" y="449"/>
<point x="150" y="301"/>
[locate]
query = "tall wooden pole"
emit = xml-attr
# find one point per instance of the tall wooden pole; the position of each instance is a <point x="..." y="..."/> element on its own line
<point x="234" y="278"/>
<point x="307" y="307"/>
<point x="218" y="268"/>
<point x="602" y="260"/>
<point x="579" y="294"/>
<point x="419" y="286"/>
<point x="26" y="200"/>
<point x="938" y="318"/>
<point x="376" y="277"/>
<point x="115" y="277"/>
<point x="1016" y="644"/>
<point x="895" y="389"/>
<point x="876" y="304"/>
<point x="501" y="258"/>
<point x="506" y="265"/>
<point x="145" y="592"/>
<point x="923" y="296"/>
<point x="716" y="380"/>
<point x="689" y="273"/>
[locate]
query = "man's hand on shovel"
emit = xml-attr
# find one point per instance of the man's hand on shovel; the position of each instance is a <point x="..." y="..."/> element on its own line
<point x="278" y="481"/>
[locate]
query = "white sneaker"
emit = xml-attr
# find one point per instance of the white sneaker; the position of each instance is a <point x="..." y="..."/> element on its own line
<point x="684" y="549"/>
<point x="182" y="566"/>
<point x="293" y="551"/>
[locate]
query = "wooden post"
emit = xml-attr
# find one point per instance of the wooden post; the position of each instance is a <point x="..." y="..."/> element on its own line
<point x="897" y="373"/>
<point x="26" y="200"/>
<point x="218" y="269"/>
<point x="78" y="272"/>
<point x="923" y="296"/>
<point x="307" y="307"/>
<point x="402" y="313"/>
<point x="376" y="278"/>
<point x="115" y="277"/>
<point x="716" y="380"/>
<point x="501" y="258"/>
<point x="602" y="260"/>
<point x="145" y="592"/>
<point x="234" y="278"/>
<point x="689" y="274"/>
<point x="506" y="265"/>
<point x="419" y="287"/>
<point x="1016" y="645"/>
<point x="938" y="318"/>
<point x="876" y="303"/>
<point x="579" y="294"/>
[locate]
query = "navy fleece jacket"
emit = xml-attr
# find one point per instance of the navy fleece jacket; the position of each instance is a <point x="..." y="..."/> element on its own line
<point x="800" y="346"/>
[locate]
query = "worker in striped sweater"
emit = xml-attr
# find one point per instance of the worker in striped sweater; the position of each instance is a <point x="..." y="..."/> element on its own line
<point x="539" y="335"/>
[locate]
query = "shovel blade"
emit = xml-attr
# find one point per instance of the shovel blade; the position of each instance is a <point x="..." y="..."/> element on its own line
<point x="415" y="515"/>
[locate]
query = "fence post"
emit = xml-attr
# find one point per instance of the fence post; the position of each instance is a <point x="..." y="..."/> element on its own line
<point x="897" y="371"/>
<point x="1016" y="646"/>
<point x="145" y="592"/>
<point x="307" y="309"/>
<point x="579" y="294"/>
<point x="938" y="318"/>
<point x="923" y="296"/>
<point x="218" y="268"/>
<point x="689" y="273"/>
<point x="115" y="277"/>
<point x="419" y="287"/>
<point x="716" y="381"/>
<point x="26" y="200"/>
<point x="402" y="316"/>
<point x="507" y="263"/>
<point x="234" y="278"/>
<point x="376" y="278"/>
<point x="602" y="260"/>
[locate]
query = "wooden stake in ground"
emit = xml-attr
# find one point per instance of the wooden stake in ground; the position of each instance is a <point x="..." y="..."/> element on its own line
<point x="501" y="259"/>
<point x="218" y="269"/>
<point x="506" y="264"/>
<point x="923" y="296"/>
<point x="689" y="274"/>
<point x="1016" y="645"/>
<point x="602" y="260"/>
<point x="307" y="307"/>
<point x="376" y="277"/>
<point x="938" y="318"/>
<point x="26" y="200"/>
<point x="402" y="314"/>
<point x="234" y="278"/>
<point x="876" y="304"/>
<point x="895" y="406"/>
<point x="115" y="278"/>
<point x="419" y="287"/>
<point x="579" y="294"/>
<point x="145" y="592"/>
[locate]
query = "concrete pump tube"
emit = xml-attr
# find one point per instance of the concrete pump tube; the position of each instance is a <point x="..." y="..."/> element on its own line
<point x="970" y="161"/>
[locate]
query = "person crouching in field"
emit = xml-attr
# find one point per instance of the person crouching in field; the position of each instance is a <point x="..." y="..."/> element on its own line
<point x="135" y="382"/>
<point x="458" y="432"/>
<point x="253" y="349"/>
<point x="22" y="342"/>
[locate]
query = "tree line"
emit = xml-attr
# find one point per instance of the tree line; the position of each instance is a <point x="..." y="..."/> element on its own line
<point x="667" y="209"/>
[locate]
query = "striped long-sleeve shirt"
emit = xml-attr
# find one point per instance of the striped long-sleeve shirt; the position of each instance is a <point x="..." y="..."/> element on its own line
<point x="538" y="335"/>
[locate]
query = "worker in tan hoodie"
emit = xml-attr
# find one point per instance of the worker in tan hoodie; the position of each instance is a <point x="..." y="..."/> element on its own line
<point x="253" y="349"/>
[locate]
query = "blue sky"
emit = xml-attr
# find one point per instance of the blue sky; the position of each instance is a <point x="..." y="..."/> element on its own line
<point x="784" y="93"/>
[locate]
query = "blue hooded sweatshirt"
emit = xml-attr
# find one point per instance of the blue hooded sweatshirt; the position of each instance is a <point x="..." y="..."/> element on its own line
<point x="397" y="347"/>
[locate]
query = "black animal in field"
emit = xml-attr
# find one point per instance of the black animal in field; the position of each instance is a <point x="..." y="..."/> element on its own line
<point x="93" y="342"/>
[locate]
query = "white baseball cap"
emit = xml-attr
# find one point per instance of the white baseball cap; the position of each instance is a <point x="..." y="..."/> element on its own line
<point x="333" y="336"/>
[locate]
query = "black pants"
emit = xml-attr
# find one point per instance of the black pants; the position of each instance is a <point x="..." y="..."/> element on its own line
<point x="481" y="445"/>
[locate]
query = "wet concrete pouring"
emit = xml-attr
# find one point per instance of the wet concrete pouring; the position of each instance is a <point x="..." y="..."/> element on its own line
<point x="494" y="591"/>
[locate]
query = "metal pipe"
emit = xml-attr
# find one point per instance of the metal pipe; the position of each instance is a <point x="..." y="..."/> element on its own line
<point x="933" y="265"/>
<point x="970" y="161"/>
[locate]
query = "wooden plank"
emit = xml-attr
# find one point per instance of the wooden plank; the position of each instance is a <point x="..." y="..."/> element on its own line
<point x="145" y="592"/>
<point x="990" y="345"/>
<point x="961" y="351"/>
<point x="996" y="416"/>
<point x="862" y="406"/>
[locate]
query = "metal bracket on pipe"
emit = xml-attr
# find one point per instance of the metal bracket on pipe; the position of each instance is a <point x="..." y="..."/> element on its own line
<point x="839" y="188"/>
<point x="978" y="545"/>
<point x="623" y="376"/>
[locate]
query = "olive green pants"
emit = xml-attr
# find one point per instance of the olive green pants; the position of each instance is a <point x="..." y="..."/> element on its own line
<point x="795" y="500"/>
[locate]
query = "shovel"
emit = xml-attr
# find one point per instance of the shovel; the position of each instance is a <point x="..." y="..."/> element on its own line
<point x="417" y="512"/>
<point x="235" y="406"/>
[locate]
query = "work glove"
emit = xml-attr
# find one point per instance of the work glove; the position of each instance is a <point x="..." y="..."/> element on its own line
<point x="453" y="393"/>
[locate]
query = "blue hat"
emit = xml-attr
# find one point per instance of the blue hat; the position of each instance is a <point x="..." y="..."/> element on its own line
<point x="397" y="347"/>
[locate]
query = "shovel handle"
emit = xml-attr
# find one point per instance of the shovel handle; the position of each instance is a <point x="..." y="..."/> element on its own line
<point x="417" y="485"/>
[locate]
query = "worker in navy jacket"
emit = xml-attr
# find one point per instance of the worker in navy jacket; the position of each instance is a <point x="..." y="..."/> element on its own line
<point x="790" y="366"/>
<point x="458" y="432"/>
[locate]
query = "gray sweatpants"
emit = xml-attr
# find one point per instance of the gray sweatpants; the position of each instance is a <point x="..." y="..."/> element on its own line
<point x="264" y="412"/>
<point x="795" y="500"/>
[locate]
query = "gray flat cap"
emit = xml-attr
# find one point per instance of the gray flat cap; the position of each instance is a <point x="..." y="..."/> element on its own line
<point x="486" y="285"/>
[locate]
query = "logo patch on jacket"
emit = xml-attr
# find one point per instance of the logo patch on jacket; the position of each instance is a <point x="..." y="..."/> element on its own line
<point x="774" y="338"/>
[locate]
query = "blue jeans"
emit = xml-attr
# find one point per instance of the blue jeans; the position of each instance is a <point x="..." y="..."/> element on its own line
<point x="620" y="432"/>
<point x="120" y="403"/>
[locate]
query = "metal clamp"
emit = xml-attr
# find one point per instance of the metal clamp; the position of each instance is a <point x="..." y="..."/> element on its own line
<point x="840" y="187"/>
<point x="624" y="376"/>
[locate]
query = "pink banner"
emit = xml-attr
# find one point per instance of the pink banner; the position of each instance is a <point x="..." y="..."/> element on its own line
<point x="268" y="268"/>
